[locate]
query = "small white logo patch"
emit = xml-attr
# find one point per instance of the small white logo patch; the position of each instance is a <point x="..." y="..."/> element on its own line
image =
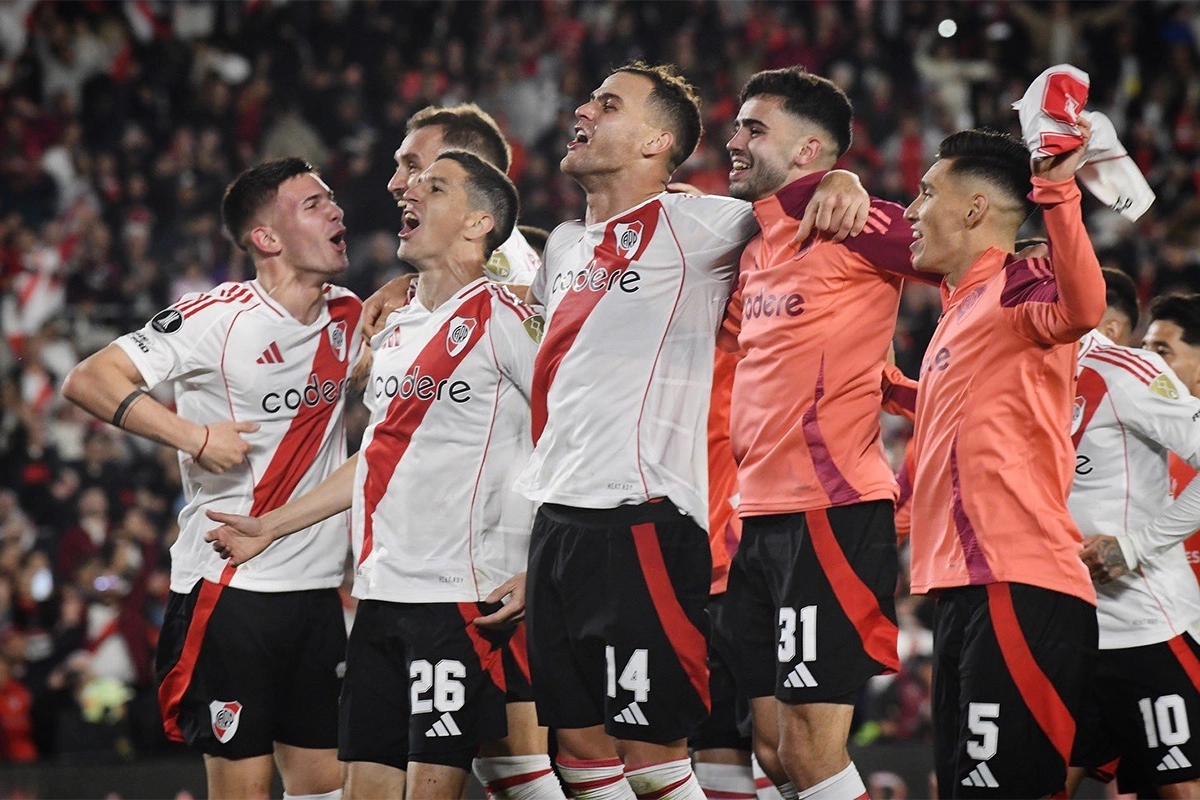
<point x="459" y="334"/>
<point x="629" y="236"/>
<point x="225" y="718"/>
<point x="337" y="338"/>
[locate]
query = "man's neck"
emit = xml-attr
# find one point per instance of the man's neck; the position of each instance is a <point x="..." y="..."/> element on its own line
<point x="972" y="252"/>
<point x="300" y="294"/>
<point x="439" y="282"/>
<point x="613" y="194"/>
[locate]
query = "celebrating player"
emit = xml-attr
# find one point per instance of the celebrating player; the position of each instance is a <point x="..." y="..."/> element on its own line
<point x="810" y="607"/>
<point x="991" y="534"/>
<point x="438" y="533"/>
<point x="1130" y="410"/>
<point x="249" y="659"/>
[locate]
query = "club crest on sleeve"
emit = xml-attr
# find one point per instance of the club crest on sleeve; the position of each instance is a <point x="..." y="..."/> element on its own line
<point x="337" y="338"/>
<point x="459" y="334"/>
<point x="225" y="717"/>
<point x="628" y="236"/>
<point x="168" y="320"/>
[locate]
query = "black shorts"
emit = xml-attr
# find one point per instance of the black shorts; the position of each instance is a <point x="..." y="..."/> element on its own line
<point x="240" y="670"/>
<point x="516" y="667"/>
<point x="1140" y="707"/>
<point x="618" y="632"/>
<point x="810" y="609"/>
<point x="1011" y="666"/>
<point x="422" y="684"/>
<point x="728" y="725"/>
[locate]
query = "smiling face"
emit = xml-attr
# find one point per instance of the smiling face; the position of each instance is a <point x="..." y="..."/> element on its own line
<point x="437" y="214"/>
<point x="938" y="215"/>
<point x="308" y="225"/>
<point x="1166" y="338"/>
<point x="418" y="150"/>
<point x="611" y="127"/>
<point x="763" y="147"/>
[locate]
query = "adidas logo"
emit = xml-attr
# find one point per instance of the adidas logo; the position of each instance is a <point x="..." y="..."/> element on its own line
<point x="446" y="726"/>
<point x="1174" y="759"/>
<point x="981" y="776"/>
<point x="800" y="678"/>
<point x="632" y="715"/>
<point x="270" y="356"/>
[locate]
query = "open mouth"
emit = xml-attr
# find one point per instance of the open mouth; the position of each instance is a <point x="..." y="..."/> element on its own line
<point x="581" y="139"/>
<point x="408" y="223"/>
<point x="739" y="166"/>
<point x="339" y="241"/>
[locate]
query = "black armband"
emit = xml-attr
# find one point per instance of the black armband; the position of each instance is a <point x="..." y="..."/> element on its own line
<point x="126" y="404"/>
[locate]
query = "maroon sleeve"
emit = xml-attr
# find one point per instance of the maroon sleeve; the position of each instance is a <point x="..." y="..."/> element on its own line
<point x="885" y="242"/>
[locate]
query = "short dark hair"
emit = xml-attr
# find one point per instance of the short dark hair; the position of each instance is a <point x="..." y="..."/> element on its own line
<point x="810" y="97"/>
<point x="1120" y="293"/>
<point x="1183" y="310"/>
<point x="466" y="127"/>
<point x="535" y="236"/>
<point x="254" y="188"/>
<point x="490" y="190"/>
<point x="996" y="157"/>
<point x="676" y="101"/>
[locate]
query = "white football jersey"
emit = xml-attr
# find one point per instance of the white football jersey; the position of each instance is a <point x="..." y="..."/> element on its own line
<point x="234" y="354"/>
<point x="623" y="377"/>
<point x="435" y="517"/>
<point x="515" y="261"/>
<point x="1130" y="410"/>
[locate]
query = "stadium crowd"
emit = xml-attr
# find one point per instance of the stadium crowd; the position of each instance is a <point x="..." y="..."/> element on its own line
<point x="123" y="122"/>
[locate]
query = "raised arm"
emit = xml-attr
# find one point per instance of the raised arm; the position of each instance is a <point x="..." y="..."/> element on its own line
<point x="108" y="385"/>
<point x="1064" y="309"/>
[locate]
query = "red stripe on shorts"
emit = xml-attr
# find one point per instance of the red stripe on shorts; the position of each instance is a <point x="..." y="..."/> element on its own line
<point x="175" y="684"/>
<point x="686" y="639"/>
<point x="489" y="657"/>
<point x="1038" y="693"/>
<point x="1187" y="659"/>
<point x="878" y="633"/>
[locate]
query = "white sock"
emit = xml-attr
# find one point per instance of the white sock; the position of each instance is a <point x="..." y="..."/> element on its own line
<point x="336" y="794"/>
<point x="671" y="780"/>
<point x="764" y="787"/>
<point x="788" y="791"/>
<point x="846" y="785"/>
<point x="600" y="779"/>
<point x="518" y="777"/>
<point x="726" y="781"/>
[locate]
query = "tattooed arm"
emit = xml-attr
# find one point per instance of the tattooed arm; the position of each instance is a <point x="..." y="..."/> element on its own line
<point x="1104" y="559"/>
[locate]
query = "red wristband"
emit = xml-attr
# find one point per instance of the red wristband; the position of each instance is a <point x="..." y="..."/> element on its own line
<point x="200" y="452"/>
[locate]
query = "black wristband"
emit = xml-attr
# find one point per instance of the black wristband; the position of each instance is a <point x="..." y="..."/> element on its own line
<point x="123" y="409"/>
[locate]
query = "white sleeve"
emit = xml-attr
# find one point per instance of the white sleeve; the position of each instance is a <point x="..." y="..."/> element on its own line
<point x="712" y="232"/>
<point x="1167" y="414"/>
<point x="515" y="339"/>
<point x="181" y="340"/>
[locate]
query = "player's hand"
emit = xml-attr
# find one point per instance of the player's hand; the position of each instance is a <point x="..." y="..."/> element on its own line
<point x="239" y="538"/>
<point x="839" y="208"/>
<point x="376" y="309"/>
<point x="225" y="447"/>
<point x="679" y="187"/>
<point x="512" y="594"/>
<point x="1103" y="557"/>
<point x="1063" y="166"/>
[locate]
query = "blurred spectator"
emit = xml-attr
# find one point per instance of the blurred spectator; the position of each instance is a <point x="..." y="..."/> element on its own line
<point x="120" y="130"/>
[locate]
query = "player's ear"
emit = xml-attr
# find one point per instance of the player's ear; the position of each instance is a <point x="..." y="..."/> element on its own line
<point x="661" y="142"/>
<point x="479" y="224"/>
<point x="264" y="239"/>
<point x="809" y="151"/>
<point x="977" y="210"/>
